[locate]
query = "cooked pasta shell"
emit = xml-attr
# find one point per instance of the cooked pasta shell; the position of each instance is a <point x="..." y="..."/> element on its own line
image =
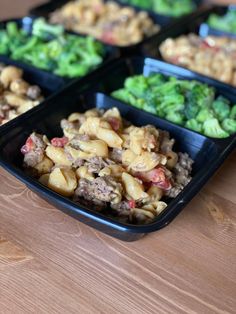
<point x="58" y="155"/>
<point x="145" y="162"/>
<point x="133" y="187"/>
<point x="63" y="181"/>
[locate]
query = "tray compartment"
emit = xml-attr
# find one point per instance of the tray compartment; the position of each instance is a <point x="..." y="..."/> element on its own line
<point x="79" y="96"/>
<point x="47" y="122"/>
<point x="26" y="24"/>
<point x="165" y="22"/>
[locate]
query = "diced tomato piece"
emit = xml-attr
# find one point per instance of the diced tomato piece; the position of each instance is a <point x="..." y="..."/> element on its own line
<point x="157" y="176"/>
<point x="29" y="145"/>
<point x="175" y="59"/>
<point x="59" y="141"/>
<point x="205" y="44"/>
<point x="97" y="8"/>
<point x="108" y="37"/>
<point x="114" y="122"/>
<point x="164" y="185"/>
<point x="132" y="203"/>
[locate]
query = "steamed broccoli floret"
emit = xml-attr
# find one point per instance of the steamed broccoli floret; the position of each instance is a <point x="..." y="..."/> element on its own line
<point x="125" y="96"/>
<point x="4" y="42"/>
<point x="191" y="110"/>
<point x="203" y="115"/>
<point x="221" y="108"/>
<point x="199" y="94"/>
<point x="44" y="30"/>
<point x="212" y="128"/>
<point x="12" y="29"/>
<point x="226" y="23"/>
<point x="155" y="79"/>
<point x="137" y="85"/>
<point x="229" y="125"/>
<point x="233" y="112"/>
<point x="193" y="124"/>
<point x="21" y="51"/>
<point x="149" y="107"/>
<point x="175" y="117"/>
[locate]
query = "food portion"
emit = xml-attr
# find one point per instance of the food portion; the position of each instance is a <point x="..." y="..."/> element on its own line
<point x="110" y="165"/>
<point x="50" y="48"/>
<point x="225" y="23"/>
<point x="16" y="95"/>
<point x="211" y="56"/>
<point x="106" y="21"/>
<point x="191" y="104"/>
<point x="165" y="7"/>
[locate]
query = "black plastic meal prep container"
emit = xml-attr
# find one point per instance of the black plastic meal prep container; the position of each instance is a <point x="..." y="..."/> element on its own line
<point x="82" y="95"/>
<point x="48" y="83"/>
<point x="165" y="22"/>
<point x="167" y="18"/>
<point x="196" y="25"/>
<point x="26" y="24"/>
<point x="206" y="30"/>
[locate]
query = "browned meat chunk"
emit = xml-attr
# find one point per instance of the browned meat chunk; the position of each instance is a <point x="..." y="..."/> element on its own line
<point x="122" y="208"/>
<point x="33" y="150"/>
<point x="182" y="176"/>
<point x="166" y="144"/>
<point x="33" y="92"/>
<point x="104" y="189"/>
<point x="96" y="164"/>
<point x="116" y="155"/>
<point x="80" y="137"/>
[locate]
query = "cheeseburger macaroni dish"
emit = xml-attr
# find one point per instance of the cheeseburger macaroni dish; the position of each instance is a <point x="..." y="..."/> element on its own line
<point x="110" y="165"/>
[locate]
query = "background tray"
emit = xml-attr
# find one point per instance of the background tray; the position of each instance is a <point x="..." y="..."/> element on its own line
<point x="164" y="21"/>
<point x="26" y="24"/>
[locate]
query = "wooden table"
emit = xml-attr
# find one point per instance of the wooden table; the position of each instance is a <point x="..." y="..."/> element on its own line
<point x="51" y="263"/>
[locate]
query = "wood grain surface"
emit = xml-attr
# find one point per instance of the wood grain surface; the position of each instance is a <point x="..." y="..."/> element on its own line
<point x="51" y="263"/>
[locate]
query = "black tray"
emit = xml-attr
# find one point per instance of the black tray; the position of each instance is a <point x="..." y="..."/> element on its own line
<point x="207" y="153"/>
<point x="48" y="82"/>
<point x="164" y="21"/>
<point x="151" y="47"/>
<point x="206" y="30"/>
<point x="168" y="18"/>
<point x="26" y="24"/>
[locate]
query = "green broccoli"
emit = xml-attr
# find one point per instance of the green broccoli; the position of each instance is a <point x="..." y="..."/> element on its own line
<point x="229" y="125"/>
<point x="175" y="117"/>
<point x="233" y="112"/>
<point x="44" y="30"/>
<point x="51" y="49"/>
<point x="204" y="114"/>
<point x="194" y="125"/>
<point x="166" y="7"/>
<point x="155" y="79"/>
<point x="4" y="42"/>
<point x="221" y="108"/>
<point x="137" y="85"/>
<point x="20" y="51"/>
<point x="199" y="94"/>
<point x="71" y="70"/>
<point x="212" y="128"/>
<point x="149" y="107"/>
<point x="125" y="96"/>
<point x="226" y="23"/>
<point x="191" y="109"/>
<point x="12" y="29"/>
